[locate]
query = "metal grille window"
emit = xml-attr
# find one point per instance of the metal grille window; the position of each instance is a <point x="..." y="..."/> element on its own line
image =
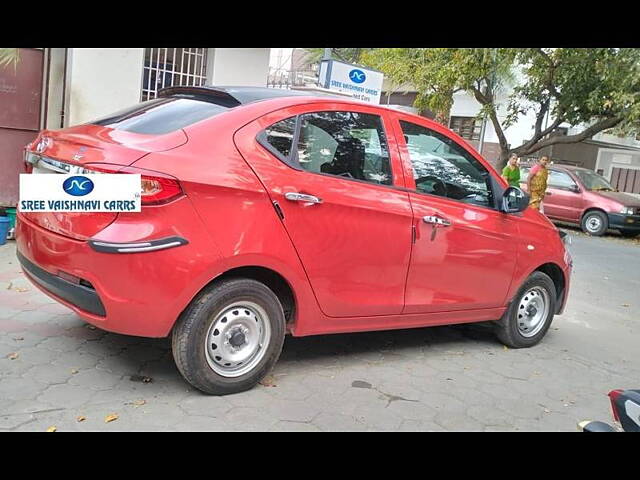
<point x="167" y="67"/>
<point x="467" y="127"/>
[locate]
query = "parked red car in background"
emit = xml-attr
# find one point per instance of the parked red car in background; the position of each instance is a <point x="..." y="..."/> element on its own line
<point x="580" y="196"/>
<point x="268" y="212"/>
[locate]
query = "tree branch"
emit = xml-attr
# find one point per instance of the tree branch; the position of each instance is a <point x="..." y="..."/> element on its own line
<point x="483" y="100"/>
<point x="587" y="133"/>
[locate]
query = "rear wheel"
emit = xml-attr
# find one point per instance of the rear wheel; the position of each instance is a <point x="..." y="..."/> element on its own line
<point x="595" y="223"/>
<point x="229" y="337"/>
<point x="529" y="316"/>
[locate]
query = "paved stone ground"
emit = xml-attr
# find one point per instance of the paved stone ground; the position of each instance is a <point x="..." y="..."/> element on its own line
<point x="55" y="368"/>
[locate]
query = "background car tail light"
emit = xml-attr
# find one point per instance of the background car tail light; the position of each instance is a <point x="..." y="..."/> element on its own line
<point x="155" y="188"/>
<point x="613" y="396"/>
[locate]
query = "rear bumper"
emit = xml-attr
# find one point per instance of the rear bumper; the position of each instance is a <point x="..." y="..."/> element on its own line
<point x="619" y="221"/>
<point x="133" y="293"/>
<point x="82" y="297"/>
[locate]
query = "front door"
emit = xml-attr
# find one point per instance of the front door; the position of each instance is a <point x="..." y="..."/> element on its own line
<point x="464" y="250"/>
<point x="563" y="200"/>
<point x="333" y="171"/>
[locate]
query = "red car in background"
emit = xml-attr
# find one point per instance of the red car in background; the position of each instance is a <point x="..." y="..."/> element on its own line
<point x="582" y="197"/>
<point x="268" y="212"/>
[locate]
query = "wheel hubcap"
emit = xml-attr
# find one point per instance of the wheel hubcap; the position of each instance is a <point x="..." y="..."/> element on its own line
<point x="532" y="311"/>
<point x="593" y="224"/>
<point x="237" y="339"/>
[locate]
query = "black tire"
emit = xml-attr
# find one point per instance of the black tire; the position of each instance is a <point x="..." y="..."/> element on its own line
<point x="189" y="343"/>
<point x="594" y="223"/>
<point x="507" y="327"/>
<point x="629" y="233"/>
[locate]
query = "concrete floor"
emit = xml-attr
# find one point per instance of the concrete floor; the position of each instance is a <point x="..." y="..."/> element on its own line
<point x="56" y="371"/>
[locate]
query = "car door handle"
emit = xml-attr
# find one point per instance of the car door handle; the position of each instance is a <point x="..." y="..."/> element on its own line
<point x="436" y="220"/>
<point x="302" y="197"/>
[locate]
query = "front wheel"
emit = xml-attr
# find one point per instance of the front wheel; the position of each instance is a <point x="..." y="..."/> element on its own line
<point x="595" y="223"/>
<point x="229" y="337"/>
<point x="529" y="316"/>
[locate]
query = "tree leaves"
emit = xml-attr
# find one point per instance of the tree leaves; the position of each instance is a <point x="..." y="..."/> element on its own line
<point x="596" y="87"/>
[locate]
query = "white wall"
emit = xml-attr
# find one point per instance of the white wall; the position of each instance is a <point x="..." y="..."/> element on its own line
<point x="464" y="105"/>
<point x="238" y="66"/>
<point x="101" y="81"/>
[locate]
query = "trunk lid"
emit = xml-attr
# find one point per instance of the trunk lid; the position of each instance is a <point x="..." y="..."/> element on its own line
<point x="72" y="149"/>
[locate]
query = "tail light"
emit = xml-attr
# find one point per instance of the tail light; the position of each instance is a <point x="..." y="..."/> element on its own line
<point x="613" y="396"/>
<point x="155" y="188"/>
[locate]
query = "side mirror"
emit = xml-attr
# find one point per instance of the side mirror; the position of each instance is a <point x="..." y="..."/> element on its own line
<point x="514" y="200"/>
<point x="575" y="189"/>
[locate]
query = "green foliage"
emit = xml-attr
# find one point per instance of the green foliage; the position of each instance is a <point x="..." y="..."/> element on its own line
<point x="349" y="55"/>
<point x="599" y="87"/>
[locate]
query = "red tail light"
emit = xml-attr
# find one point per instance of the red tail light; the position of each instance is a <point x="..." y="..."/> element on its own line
<point x="155" y="188"/>
<point x="613" y="396"/>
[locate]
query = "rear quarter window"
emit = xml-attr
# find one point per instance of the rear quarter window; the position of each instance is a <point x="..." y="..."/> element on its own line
<point x="161" y="115"/>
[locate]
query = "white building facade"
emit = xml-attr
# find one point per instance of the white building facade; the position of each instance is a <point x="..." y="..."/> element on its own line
<point x="87" y="83"/>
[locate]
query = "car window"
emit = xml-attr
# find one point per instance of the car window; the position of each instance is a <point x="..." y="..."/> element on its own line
<point x="346" y="144"/>
<point x="279" y="136"/>
<point x="444" y="168"/>
<point x="560" y="180"/>
<point x="161" y="115"/>
<point x="593" y="181"/>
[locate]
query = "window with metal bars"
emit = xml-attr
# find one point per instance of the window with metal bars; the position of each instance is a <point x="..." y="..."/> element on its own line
<point x="466" y="127"/>
<point x="167" y="67"/>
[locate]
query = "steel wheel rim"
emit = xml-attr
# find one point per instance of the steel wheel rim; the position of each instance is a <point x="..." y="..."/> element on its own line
<point x="532" y="311"/>
<point x="593" y="224"/>
<point x="237" y="339"/>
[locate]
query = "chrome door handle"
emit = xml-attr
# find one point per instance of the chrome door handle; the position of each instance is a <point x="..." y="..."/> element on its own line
<point x="435" y="220"/>
<point x="302" y="197"/>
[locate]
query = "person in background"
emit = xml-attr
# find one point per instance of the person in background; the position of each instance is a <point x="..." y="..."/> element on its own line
<point x="511" y="172"/>
<point x="537" y="183"/>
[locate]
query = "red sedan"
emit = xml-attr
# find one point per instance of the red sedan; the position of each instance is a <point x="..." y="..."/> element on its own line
<point x="266" y="212"/>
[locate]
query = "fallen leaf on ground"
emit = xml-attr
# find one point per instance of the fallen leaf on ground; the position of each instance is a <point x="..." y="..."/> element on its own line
<point x="17" y="339"/>
<point x="504" y="347"/>
<point x="111" y="418"/>
<point x="81" y="418"/>
<point x="626" y="305"/>
<point x="53" y="428"/>
<point x="147" y="379"/>
<point x="74" y="371"/>
<point x="546" y="410"/>
<point x="12" y="356"/>
<point x="268" y="381"/>
<point x="10" y="285"/>
<point x="91" y="327"/>
<point x="137" y="403"/>
<point x="21" y="289"/>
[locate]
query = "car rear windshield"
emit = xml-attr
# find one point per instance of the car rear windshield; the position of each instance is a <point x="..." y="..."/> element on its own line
<point x="161" y="115"/>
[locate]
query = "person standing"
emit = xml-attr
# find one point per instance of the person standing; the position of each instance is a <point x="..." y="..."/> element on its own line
<point x="537" y="183"/>
<point x="511" y="172"/>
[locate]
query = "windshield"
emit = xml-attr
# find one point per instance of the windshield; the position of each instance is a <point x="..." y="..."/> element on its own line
<point x="593" y="181"/>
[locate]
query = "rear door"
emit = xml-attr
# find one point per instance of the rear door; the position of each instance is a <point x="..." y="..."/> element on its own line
<point x="464" y="250"/>
<point x="333" y="172"/>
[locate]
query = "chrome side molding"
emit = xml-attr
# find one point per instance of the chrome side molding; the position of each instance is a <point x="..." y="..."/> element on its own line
<point x="137" y="247"/>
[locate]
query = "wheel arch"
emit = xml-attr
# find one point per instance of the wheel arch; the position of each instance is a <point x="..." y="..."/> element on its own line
<point x="555" y="273"/>
<point x="274" y="280"/>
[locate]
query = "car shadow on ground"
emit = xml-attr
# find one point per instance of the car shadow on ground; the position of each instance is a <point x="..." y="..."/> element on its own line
<point x="150" y="359"/>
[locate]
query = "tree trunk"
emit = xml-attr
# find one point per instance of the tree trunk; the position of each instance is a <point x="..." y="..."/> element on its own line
<point x="502" y="161"/>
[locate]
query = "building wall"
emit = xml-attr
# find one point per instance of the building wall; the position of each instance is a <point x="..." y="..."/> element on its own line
<point x="55" y="93"/>
<point x="239" y="66"/>
<point x="101" y="81"/>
